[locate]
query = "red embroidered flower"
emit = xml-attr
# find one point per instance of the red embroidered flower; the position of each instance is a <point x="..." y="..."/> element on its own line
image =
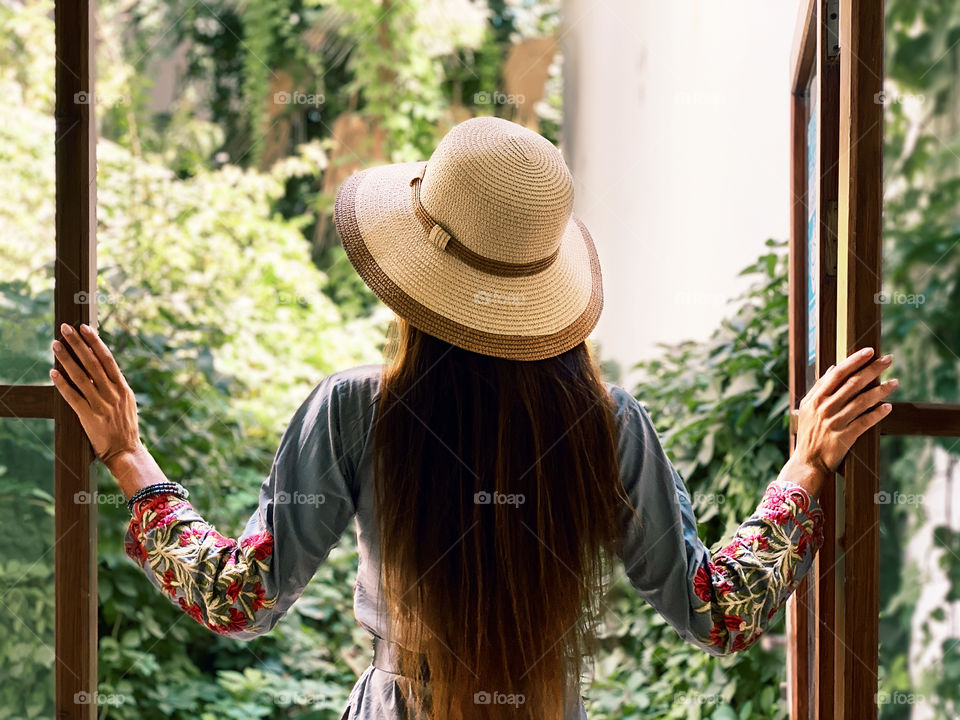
<point x="733" y="622"/>
<point x="258" y="599"/>
<point x="192" y="610"/>
<point x="702" y="584"/>
<point x="724" y="586"/>
<point x="233" y="590"/>
<point x="133" y="547"/>
<point x="188" y="535"/>
<point x="717" y="636"/>
<point x="163" y="508"/>
<point x="779" y="514"/>
<point x="203" y="532"/>
<point x="758" y="539"/>
<point x="238" y="621"/>
<point x="262" y="544"/>
<point x="168" y="578"/>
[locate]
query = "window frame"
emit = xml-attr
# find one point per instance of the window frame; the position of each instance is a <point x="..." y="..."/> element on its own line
<point x="75" y="543"/>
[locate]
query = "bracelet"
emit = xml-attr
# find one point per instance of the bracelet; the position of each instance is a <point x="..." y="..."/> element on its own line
<point x="166" y="487"/>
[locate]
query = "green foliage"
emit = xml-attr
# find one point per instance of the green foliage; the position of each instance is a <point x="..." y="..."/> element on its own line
<point x="26" y="569"/>
<point x="720" y="409"/>
<point x="921" y="225"/>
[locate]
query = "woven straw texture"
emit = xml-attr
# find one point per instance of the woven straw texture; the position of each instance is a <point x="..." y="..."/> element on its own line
<point x="501" y="194"/>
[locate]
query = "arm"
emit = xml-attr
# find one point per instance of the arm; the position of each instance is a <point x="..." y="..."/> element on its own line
<point x="236" y="587"/>
<point x="721" y="603"/>
<point x="724" y="602"/>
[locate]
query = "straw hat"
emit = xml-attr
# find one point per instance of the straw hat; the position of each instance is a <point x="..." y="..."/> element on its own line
<point x="477" y="246"/>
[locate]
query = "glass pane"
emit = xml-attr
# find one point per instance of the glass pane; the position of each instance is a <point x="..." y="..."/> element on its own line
<point x="919" y="505"/>
<point x="27" y="187"/>
<point x="921" y="297"/>
<point x="26" y="569"/>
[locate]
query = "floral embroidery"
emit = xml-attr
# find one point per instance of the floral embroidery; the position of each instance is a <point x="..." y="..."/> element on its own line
<point x="215" y="580"/>
<point x="747" y="581"/>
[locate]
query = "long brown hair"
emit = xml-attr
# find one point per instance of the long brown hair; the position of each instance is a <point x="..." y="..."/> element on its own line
<point x="497" y="496"/>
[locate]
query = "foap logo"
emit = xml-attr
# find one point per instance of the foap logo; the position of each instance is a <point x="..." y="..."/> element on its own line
<point x="299" y="498"/>
<point x="97" y="698"/>
<point x="498" y="498"/>
<point x="899" y="298"/>
<point x="896" y="98"/>
<point x="483" y="697"/>
<point x="899" y="698"/>
<point x="485" y="297"/>
<point x="498" y="98"/>
<point x="83" y="497"/>
<point x="897" y="498"/>
<point x="101" y="298"/>
<point x="299" y="98"/>
<point x="87" y="98"/>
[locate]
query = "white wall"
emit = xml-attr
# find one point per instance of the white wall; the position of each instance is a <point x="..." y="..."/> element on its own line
<point x="676" y="129"/>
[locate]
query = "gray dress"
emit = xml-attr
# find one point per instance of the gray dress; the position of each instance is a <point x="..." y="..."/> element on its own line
<point x="321" y="479"/>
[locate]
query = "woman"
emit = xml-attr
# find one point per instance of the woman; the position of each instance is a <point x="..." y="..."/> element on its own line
<point x="492" y="475"/>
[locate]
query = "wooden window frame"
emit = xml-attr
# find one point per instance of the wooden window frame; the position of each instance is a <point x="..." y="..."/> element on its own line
<point x="833" y="644"/>
<point x="75" y="524"/>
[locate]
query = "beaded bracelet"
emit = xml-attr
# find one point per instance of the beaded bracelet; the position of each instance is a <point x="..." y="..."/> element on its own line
<point x="160" y="488"/>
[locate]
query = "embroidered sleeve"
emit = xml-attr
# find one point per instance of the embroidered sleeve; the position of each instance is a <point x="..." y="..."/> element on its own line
<point x="747" y="581"/>
<point x="723" y="602"/>
<point x="221" y="583"/>
<point x="243" y="587"/>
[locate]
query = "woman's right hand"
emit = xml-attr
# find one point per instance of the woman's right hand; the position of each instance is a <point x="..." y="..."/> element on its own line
<point x="838" y="410"/>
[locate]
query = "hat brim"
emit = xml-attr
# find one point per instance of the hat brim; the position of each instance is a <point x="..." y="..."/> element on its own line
<point x="529" y="317"/>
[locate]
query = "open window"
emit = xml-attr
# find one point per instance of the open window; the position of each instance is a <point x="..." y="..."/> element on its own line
<point x="837" y="305"/>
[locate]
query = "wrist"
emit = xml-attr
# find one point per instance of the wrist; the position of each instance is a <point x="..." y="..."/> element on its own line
<point x="119" y="459"/>
<point x="806" y="473"/>
<point x="134" y="469"/>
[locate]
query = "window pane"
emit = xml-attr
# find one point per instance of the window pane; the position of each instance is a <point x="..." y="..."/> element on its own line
<point x="919" y="504"/>
<point x="26" y="569"/>
<point x="920" y="301"/>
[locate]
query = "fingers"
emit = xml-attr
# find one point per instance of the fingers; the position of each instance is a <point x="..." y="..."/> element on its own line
<point x="103" y="354"/>
<point x="834" y="378"/>
<point x="85" y="355"/>
<point x="74" y="399"/>
<point x="854" y="384"/>
<point x="866" y="421"/>
<point x="864" y="401"/>
<point x="73" y="371"/>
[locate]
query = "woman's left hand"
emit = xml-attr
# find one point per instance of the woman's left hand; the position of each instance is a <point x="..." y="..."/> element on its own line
<point x="103" y="401"/>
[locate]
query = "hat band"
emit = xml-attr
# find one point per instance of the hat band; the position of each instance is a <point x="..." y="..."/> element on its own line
<point x="440" y="237"/>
